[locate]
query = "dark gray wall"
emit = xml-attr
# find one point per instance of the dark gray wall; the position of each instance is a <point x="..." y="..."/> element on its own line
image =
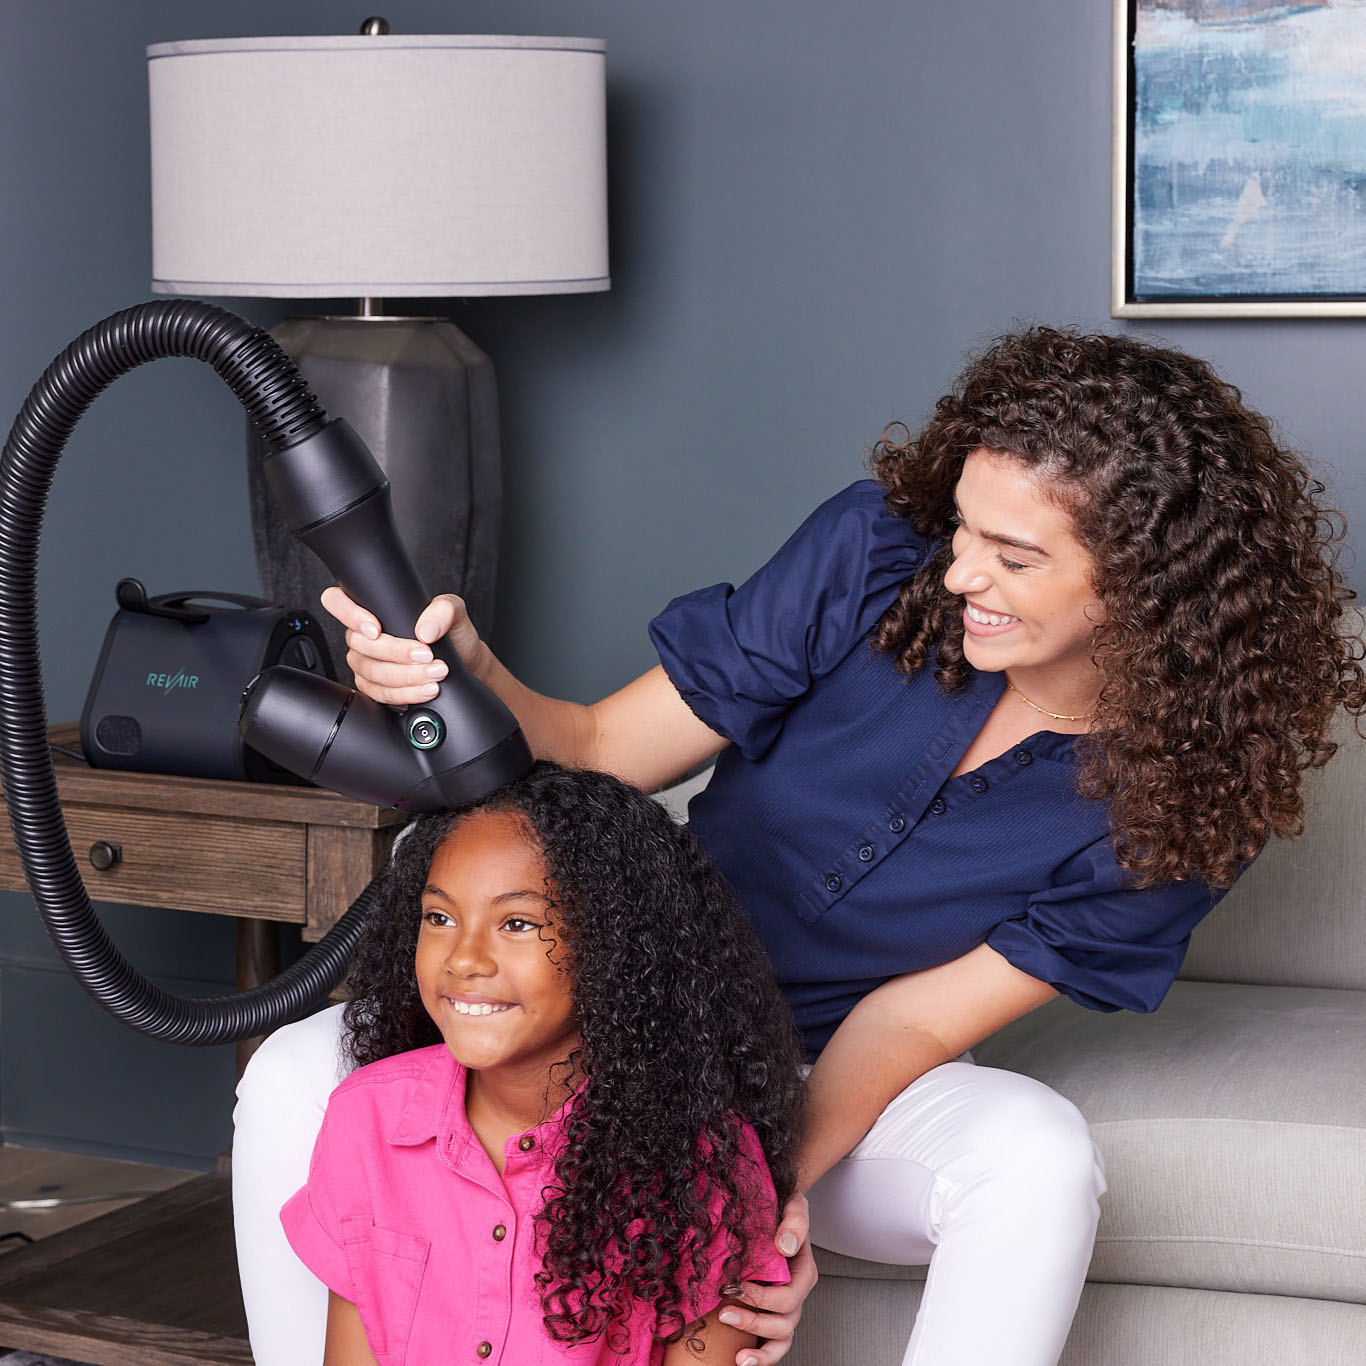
<point x="816" y="208"/>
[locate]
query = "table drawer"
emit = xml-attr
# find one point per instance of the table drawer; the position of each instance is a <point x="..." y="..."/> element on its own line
<point x="189" y="863"/>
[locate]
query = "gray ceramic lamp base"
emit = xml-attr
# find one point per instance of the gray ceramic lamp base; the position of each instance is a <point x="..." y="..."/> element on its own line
<point x="424" y="399"/>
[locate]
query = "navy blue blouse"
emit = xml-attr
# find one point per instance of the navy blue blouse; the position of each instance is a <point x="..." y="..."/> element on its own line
<point x="833" y="815"/>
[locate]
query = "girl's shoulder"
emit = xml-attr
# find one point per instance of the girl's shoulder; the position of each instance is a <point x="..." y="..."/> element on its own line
<point x="751" y="1166"/>
<point x="393" y="1082"/>
<point x="748" y="1170"/>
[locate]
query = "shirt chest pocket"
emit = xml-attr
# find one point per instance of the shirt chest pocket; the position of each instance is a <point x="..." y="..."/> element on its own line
<point x="386" y="1268"/>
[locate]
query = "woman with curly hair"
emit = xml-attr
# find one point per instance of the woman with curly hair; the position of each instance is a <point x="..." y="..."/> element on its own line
<point x="562" y="1129"/>
<point x="1000" y="725"/>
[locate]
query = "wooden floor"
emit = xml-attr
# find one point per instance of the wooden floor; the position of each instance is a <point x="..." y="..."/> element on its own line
<point x="34" y="1174"/>
<point x="144" y="1275"/>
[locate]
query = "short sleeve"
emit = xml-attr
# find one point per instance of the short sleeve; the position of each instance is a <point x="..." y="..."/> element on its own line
<point x="1101" y="941"/>
<point x="311" y="1220"/>
<point x="764" y="1262"/>
<point x="741" y="656"/>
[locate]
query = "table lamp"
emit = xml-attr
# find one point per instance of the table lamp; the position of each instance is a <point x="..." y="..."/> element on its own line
<point x="373" y="167"/>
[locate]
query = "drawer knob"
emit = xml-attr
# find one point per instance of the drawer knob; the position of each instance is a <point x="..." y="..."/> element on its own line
<point x="104" y="855"/>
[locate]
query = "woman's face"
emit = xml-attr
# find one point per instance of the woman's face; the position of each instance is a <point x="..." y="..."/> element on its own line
<point x="1025" y="580"/>
<point x="485" y="949"/>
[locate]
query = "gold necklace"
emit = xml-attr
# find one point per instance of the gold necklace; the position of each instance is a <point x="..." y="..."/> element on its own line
<point x="1043" y="711"/>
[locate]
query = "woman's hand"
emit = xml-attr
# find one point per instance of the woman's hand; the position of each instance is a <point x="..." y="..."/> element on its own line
<point x="400" y="671"/>
<point x="645" y="733"/>
<point x="774" y="1310"/>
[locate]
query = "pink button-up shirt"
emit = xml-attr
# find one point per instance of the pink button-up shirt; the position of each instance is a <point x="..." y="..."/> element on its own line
<point x="405" y="1215"/>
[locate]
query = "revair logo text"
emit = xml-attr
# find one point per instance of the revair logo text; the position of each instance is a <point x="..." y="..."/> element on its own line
<point x="169" y="682"/>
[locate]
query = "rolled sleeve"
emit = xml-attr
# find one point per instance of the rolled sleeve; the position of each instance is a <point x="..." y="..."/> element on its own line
<point x="740" y="657"/>
<point x="312" y="1224"/>
<point x="1099" y="940"/>
<point x="739" y="693"/>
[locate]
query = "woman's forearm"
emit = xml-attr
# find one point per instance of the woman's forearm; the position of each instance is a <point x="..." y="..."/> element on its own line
<point x="874" y="1055"/>
<point x="645" y="733"/>
<point x="558" y="730"/>
<point x="896" y="1034"/>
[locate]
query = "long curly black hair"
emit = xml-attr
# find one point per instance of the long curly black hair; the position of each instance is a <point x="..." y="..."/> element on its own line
<point x="683" y="1037"/>
<point x="1224" y="653"/>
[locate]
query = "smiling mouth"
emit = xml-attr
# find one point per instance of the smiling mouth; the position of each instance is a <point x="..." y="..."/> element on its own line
<point x="478" y="1007"/>
<point x="988" y="618"/>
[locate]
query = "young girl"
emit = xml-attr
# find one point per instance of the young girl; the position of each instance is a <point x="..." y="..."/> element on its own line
<point x="578" y="1076"/>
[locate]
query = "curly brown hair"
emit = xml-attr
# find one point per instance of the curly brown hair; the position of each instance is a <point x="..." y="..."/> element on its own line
<point x="1224" y="653"/>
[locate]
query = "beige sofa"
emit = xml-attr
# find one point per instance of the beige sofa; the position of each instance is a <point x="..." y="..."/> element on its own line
<point x="1233" y="1126"/>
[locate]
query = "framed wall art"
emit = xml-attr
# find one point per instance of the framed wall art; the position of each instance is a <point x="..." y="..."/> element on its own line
<point x="1239" y="158"/>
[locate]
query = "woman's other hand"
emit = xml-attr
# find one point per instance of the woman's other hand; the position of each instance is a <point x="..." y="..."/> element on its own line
<point x="398" y="671"/>
<point x="775" y="1310"/>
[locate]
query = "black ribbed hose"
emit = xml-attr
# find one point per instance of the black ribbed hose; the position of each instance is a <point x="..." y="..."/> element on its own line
<point x="284" y="411"/>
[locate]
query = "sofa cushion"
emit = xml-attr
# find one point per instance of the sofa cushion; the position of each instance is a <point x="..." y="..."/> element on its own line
<point x="853" y="1316"/>
<point x="1295" y="917"/>
<point x="1233" y="1127"/>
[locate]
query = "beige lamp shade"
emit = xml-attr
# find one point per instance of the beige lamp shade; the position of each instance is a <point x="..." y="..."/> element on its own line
<point x="397" y="166"/>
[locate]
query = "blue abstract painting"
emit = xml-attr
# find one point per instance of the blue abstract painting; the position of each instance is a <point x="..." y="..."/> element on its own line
<point x="1248" y="150"/>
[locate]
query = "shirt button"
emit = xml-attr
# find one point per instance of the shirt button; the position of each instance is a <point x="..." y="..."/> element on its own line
<point x="499" y="1233"/>
<point x="834" y="882"/>
<point x="897" y="824"/>
<point x="1023" y="756"/>
<point x="526" y="1143"/>
<point x="485" y="1349"/>
<point x="978" y="784"/>
<point x="866" y="853"/>
<point x="939" y="806"/>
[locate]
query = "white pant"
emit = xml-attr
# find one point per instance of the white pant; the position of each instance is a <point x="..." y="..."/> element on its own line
<point x="989" y="1177"/>
<point x="992" y="1179"/>
<point x="280" y="1104"/>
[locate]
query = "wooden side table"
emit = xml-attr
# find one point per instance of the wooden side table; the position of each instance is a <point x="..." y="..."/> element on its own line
<point x="258" y="851"/>
<point x="156" y="1283"/>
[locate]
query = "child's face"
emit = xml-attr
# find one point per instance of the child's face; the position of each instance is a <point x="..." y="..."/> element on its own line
<point x="484" y="951"/>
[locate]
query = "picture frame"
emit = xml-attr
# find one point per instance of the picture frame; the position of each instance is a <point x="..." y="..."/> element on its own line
<point x="1239" y="163"/>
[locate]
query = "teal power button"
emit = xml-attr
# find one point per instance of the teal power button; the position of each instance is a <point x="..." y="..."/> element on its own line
<point x="425" y="731"/>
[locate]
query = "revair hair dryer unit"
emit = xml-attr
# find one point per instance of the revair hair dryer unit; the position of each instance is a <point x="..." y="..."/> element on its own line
<point x="450" y="752"/>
